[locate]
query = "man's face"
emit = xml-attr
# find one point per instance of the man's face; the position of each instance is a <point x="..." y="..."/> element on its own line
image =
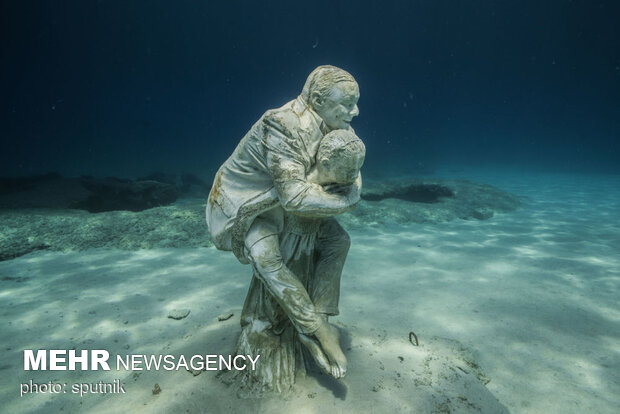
<point x="340" y="106"/>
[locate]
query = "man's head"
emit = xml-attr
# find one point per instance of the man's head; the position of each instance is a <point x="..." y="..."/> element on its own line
<point x="333" y="94"/>
<point x="339" y="158"/>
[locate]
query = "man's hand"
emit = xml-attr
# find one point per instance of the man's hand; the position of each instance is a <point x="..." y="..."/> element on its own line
<point x="350" y="192"/>
<point x="355" y="192"/>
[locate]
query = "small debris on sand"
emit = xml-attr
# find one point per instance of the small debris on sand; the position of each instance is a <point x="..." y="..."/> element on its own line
<point x="178" y="313"/>
<point x="225" y="316"/>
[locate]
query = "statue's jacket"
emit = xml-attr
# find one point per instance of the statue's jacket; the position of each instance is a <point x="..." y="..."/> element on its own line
<point x="267" y="169"/>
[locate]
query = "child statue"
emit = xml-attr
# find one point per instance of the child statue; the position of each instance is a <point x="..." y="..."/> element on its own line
<point x="267" y="330"/>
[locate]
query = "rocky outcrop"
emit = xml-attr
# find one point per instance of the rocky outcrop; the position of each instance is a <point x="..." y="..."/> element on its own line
<point x="23" y="230"/>
<point x="85" y="193"/>
<point x="426" y="200"/>
<point x="27" y="230"/>
<point x="110" y="194"/>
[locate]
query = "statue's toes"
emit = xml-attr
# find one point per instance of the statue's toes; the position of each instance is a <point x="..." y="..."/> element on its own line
<point x="323" y="364"/>
<point x="317" y="353"/>
<point x="339" y="372"/>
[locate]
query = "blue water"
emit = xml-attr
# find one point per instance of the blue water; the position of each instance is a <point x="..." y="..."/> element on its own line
<point x="126" y="88"/>
<point x="524" y="95"/>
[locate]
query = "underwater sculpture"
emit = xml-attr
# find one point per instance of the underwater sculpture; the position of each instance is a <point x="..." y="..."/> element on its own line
<point x="272" y="204"/>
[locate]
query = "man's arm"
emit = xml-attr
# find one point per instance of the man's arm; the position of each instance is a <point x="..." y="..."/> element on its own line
<point x="296" y="194"/>
<point x="354" y="190"/>
<point x="314" y="201"/>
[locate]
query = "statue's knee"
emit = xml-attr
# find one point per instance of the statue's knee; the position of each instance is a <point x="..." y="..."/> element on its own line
<point x="345" y="241"/>
<point x="341" y="239"/>
<point x="334" y="238"/>
<point x="265" y="259"/>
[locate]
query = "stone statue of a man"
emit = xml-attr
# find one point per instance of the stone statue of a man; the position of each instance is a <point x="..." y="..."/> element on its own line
<point x="263" y="187"/>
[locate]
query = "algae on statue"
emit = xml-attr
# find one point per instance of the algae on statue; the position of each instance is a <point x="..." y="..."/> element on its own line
<point x="273" y="204"/>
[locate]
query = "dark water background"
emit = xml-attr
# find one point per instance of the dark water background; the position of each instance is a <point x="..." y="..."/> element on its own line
<point x="125" y="88"/>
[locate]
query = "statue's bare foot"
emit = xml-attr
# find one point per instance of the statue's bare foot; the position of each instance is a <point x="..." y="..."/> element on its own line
<point x="316" y="352"/>
<point x="329" y="339"/>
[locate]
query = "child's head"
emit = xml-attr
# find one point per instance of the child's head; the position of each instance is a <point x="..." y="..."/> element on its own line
<point x="340" y="157"/>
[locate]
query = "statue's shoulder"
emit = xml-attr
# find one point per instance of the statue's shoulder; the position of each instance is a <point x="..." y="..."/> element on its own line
<point x="284" y="119"/>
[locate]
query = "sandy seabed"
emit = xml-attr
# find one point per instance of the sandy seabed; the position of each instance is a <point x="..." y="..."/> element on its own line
<point x="519" y="313"/>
